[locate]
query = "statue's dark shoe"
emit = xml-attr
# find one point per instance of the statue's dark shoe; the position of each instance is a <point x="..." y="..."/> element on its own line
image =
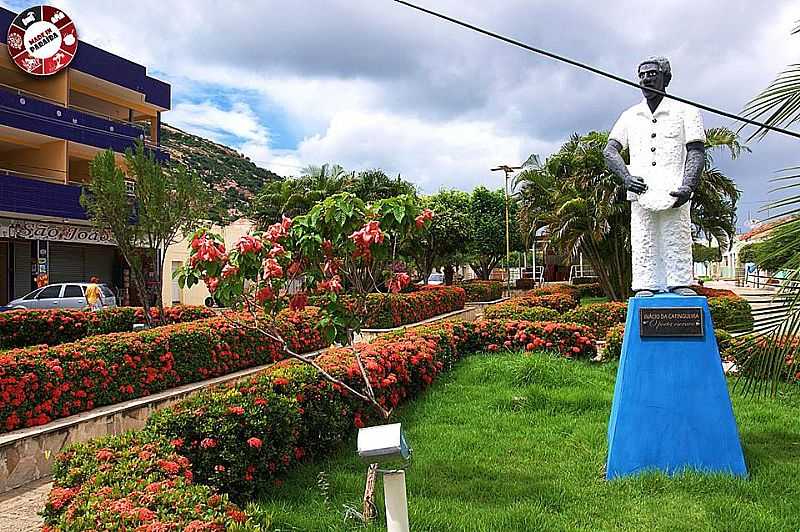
<point x="644" y="293"/>
<point x="683" y="291"/>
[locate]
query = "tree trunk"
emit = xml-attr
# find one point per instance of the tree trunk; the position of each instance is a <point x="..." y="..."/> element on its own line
<point x="159" y="260"/>
<point x="449" y="273"/>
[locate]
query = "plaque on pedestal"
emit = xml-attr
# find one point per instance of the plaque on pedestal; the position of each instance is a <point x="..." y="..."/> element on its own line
<point x="671" y="409"/>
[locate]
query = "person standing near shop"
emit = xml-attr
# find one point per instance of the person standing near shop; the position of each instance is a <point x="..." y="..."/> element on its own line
<point x="93" y="294"/>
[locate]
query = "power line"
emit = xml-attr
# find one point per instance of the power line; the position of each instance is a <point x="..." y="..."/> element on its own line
<point x="595" y="70"/>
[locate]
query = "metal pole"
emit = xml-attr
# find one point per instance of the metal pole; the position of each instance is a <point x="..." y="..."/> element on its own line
<point x="394" y="494"/>
<point x="508" y="242"/>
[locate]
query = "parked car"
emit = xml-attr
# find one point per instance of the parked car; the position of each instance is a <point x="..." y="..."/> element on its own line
<point x="64" y="295"/>
<point x="436" y="278"/>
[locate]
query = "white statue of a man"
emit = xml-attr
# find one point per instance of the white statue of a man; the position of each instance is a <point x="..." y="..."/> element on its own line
<point x="666" y="141"/>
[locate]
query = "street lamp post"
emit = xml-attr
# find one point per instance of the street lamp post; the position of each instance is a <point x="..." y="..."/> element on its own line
<point x="507" y="170"/>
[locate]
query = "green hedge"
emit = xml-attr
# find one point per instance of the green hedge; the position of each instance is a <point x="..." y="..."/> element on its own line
<point x="482" y="291"/>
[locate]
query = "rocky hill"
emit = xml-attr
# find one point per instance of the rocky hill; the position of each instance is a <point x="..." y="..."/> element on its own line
<point x="224" y="170"/>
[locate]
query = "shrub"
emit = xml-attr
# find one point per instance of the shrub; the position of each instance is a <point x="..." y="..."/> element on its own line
<point x="131" y="481"/>
<point x="584" y="280"/>
<point x="613" y="339"/>
<point x="731" y="313"/>
<point x="258" y="429"/>
<point x="385" y="311"/>
<point x="526" y="283"/>
<point x="21" y="328"/>
<point x="41" y="383"/>
<point x="589" y="290"/>
<point x="479" y="291"/>
<point x="513" y="311"/>
<point x="598" y="316"/>
<point x="740" y="351"/>
<point x="556" y="288"/>
<point x="560" y="302"/>
<point x="235" y="441"/>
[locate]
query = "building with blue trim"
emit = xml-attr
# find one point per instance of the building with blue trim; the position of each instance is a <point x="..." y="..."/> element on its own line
<point x="50" y="129"/>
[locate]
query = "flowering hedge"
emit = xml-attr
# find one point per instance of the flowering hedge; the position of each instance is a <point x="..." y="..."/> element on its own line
<point x="732" y="313"/>
<point x="479" y="291"/>
<point x="511" y="310"/>
<point x="556" y="288"/>
<point x="385" y="311"/>
<point x="558" y="301"/>
<point x="598" y="316"/>
<point x="243" y="439"/>
<point x="21" y="328"/>
<point x="613" y="340"/>
<point x="41" y="383"/>
<point x="132" y="481"/>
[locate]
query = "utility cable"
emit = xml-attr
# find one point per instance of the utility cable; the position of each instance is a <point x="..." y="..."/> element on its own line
<point x="595" y="70"/>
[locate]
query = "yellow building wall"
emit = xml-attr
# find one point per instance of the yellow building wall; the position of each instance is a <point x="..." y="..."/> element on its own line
<point x="48" y="160"/>
<point x="178" y="253"/>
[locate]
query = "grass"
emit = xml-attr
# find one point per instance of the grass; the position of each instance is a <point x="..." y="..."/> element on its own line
<point x="508" y="442"/>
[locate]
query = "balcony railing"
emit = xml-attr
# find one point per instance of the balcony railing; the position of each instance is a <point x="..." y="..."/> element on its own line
<point x="40" y="116"/>
<point x="141" y="130"/>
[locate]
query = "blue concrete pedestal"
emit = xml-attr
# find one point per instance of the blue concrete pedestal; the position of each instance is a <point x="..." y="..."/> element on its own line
<point x="671" y="408"/>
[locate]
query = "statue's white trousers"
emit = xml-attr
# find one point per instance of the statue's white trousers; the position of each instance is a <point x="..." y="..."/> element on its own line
<point x="661" y="242"/>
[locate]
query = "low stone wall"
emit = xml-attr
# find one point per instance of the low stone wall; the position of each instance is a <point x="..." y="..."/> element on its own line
<point x="468" y="313"/>
<point x="27" y="455"/>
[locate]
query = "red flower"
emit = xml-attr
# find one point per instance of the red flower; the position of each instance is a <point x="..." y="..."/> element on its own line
<point x="208" y="443"/>
<point x="169" y="466"/>
<point x="212" y="283"/>
<point x="298" y="301"/>
<point x="398" y="282"/>
<point x="249" y="244"/>
<point x="255" y="443"/>
<point x="272" y="269"/>
<point x="426" y="216"/>
<point x="237" y="516"/>
<point x="104" y="455"/>
<point x="238" y="410"/>
<point x="264" y="294"/>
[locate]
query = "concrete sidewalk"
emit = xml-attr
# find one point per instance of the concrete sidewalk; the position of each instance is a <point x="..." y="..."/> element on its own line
<point x="19" y="508"/>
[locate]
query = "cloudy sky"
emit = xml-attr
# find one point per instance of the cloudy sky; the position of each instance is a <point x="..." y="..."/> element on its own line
<point x="371" y="83"/>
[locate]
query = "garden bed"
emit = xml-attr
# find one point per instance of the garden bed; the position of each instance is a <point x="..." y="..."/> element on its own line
<point x="469" y="313"/>
<point x="28" y="454"/>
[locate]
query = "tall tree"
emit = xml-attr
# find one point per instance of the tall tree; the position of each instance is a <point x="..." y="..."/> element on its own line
<point x="448" y="234"/>
<point x="168" y="203"/>
<point x="373" y="185"/>
<point x="487" y="247"/>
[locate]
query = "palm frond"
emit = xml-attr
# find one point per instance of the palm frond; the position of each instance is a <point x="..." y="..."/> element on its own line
<point x="778" y="104"/>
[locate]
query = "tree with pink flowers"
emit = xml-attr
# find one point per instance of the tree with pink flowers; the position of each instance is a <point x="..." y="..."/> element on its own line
<point x="338" y="253"/>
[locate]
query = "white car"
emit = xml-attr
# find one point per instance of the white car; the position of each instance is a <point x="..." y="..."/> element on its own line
<point x="65" y="295"/>
<point x="436" y="278"/>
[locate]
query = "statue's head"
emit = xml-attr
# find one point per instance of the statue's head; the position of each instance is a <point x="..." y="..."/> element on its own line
<point x="654" y="72"/>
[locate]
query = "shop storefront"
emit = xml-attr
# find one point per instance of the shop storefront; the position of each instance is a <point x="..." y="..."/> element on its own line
<point x="34" y="253"/>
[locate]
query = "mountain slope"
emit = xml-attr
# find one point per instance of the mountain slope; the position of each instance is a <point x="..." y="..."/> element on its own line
<point x="229" y="173"/>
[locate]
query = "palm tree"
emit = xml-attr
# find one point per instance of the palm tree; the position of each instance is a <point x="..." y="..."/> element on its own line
<point x="765" y="367"/>
<point x="320" y="182"/>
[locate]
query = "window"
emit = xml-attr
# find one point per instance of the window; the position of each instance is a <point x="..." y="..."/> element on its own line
<point x="106" y="291"/>
<point x="73" y="290"/>
<point x="50" y="292"/>
<point x="32" y="295"/>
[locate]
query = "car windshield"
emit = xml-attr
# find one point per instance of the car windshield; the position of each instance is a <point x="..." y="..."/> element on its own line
<point x="106" y="291"/>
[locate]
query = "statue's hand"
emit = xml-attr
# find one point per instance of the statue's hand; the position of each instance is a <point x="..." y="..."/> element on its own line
<point x="635" y="184"/>
<point x="682" y="195"/>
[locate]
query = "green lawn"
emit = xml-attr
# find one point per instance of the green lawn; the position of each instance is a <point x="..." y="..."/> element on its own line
<point x="512" y="442"/>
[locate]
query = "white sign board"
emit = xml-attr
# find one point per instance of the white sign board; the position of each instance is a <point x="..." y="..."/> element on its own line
<point x="33" y="230"/>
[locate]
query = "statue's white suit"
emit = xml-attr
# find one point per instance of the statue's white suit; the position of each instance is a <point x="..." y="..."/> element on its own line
<point x="661" y="236"/>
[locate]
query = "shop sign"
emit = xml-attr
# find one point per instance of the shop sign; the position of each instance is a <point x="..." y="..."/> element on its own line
<point x="32" y="230"/>
<point x="42" y="40"/>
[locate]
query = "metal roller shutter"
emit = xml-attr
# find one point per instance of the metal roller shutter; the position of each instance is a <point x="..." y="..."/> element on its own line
<point x="99" y="261"/>
<point x="22" y="268"/>
<point x="66" y="263"/>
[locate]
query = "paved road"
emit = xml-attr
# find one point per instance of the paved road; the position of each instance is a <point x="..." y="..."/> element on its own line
<point x="19" y="508"/>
